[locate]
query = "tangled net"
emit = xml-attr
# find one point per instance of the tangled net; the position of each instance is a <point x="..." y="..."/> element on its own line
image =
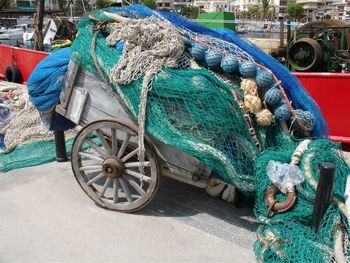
<point x="208" y="114"/>
<point x="148" y="46"/>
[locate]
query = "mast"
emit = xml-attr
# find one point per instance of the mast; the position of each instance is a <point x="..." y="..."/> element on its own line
<point x="38" y="20"/>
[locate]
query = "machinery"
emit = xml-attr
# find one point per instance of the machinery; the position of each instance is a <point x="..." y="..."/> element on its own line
<point x="320" y="46"/>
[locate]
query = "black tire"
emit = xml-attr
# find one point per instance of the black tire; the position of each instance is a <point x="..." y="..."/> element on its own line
<point x="12" y="74"/>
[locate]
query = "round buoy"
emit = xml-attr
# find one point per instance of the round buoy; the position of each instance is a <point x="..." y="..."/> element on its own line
<point x="213" y="58"/>
<point x="200" y="81"/>
<point x="249" y="87"/>
<point x="283" y="112"/>
<point x="230" y="64"/>
<point x="247" y="69"/>
<point x="252" y="103"/>
<point x="264" y="117"/>
<point x="13" y="74"/>
<point x="273" y="97"/>
<point x="198" y="51"/>
<point x="306" y="118"/>
<point x="264" y="79"/>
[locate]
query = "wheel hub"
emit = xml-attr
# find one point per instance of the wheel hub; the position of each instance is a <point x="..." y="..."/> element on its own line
<point x="113" y="167"/>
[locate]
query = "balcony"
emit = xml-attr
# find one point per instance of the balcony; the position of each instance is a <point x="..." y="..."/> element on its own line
<point x="182" y="2"/>
<point x="164" y="2"/>
<point x="310" y="1"/>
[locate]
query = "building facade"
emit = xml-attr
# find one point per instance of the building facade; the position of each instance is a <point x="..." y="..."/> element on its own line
<point x="237" y="5"/>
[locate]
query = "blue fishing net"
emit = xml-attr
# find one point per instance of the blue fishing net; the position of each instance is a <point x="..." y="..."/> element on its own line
<point x="47" y="80"/>
<point x="296" y="93"/>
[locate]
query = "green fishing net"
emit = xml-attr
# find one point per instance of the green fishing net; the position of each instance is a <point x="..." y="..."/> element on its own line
<point x="189" y="109"/>
<point x="288" y="237"/>
<point x="194" y="111"/>
<point x="31" y="154"/>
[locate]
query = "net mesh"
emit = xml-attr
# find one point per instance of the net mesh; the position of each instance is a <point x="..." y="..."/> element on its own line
<point x="206" y="123"/>
<point x="288" y="237"/>
<point x="31" y="154"/>
<point x="200" y="113"/>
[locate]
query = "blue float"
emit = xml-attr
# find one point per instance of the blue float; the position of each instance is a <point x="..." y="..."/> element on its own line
<point x="198" y="51"/>
<point x="273" y="97"/>
<point x="200" y="81"/>
<point x="306" y="118"/>
<point x="283" y="112"/>
<point x="264" y="79"/>
<point x="230" y="64"/>
<point x="213" y="58"/>
<point x="247" y="69"/>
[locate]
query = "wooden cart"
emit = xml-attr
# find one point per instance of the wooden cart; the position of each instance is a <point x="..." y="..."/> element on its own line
<point x="104" y="153"/>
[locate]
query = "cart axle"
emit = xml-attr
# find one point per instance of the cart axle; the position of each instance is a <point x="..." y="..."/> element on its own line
<point x="113" y="167"/>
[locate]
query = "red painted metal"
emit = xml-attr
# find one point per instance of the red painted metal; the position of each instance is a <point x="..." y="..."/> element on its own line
<point x="332" y="93"/>
<point x="24" y="59"/>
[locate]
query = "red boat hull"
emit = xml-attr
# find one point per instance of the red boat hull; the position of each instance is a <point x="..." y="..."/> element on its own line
<point x="330" y="90"/>
<point x="332" y="93"/>
<point x="24" y="59"/>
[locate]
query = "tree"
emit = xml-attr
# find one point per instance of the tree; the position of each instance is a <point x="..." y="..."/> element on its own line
<point x="265" y="8"/>
<point x="295" y="11"/>
<point x="7" y="4"/>
<point x="253" y="11"/>
<point x="150" y="3"/>
<point x="190" y="11"/>
<point x="103" y="3"/>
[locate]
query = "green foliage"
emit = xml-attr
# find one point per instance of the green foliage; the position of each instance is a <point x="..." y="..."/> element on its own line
<point x="272" y="13"/>
<point x="61" y="4"/>
<point x="7" y="4"/>
<point x="150" y="3"/>
<point x="190" y="11"/>
<point x="253" y="11"/>
<point x="103" y="3"/>
<point x="295" y="10"/>
<point x="265" y="7"/>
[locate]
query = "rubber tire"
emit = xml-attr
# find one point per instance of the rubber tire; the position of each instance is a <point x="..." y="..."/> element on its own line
<point x="13" y="74"/>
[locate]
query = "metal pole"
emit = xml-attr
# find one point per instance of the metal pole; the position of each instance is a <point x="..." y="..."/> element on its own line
<point x="324" y="194"/>
<point x="61" y="153"/>
<point x="288" y="30"/>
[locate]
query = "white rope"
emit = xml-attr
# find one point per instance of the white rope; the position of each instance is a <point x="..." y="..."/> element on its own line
<point x="25" y="126"/>
<point x="149" y="45"/>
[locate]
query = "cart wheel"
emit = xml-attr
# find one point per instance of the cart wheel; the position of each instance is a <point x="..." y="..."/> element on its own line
<point x="105" y="164"/>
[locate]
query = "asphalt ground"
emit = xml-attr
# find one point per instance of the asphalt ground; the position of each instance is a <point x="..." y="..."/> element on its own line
<point x="46" y="217"/>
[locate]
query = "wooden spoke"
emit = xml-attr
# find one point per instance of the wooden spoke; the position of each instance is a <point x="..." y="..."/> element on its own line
<point x="136" y="164"/>
<point x="114" y="141"/>
<point x="103" y="140"/>
<point x="90" y="167"/>
<point x="110" y="142"/>
<point x="138" y="175"/>
<point x="96" y="148"/>
<point x="133" y="196"/>
<point x="126" y="189"/>
<point x="105" y="186"/>
<point x="91" y="156"/>
<point x="95" y="179"/>
<point x="129" y="155"/>
<point x="115" y="190"/>
<point x="93" y="173"/>
<point x="135" y="186"/>
<point x="125" y="143"/>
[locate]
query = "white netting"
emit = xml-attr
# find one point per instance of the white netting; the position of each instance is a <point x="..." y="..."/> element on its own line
<point x="149" y="45"/>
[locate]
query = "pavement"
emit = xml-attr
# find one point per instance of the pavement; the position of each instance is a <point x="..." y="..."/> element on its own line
<point x="46" y="217"/>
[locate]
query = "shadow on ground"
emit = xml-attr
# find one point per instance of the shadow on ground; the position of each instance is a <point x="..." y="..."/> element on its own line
<point x="195" y="207"/>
